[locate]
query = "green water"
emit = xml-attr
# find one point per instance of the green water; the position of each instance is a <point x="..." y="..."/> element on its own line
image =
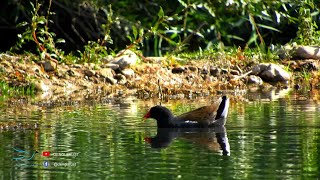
<point x="106" y="140"/>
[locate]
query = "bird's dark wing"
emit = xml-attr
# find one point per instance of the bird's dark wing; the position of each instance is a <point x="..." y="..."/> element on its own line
<point x="204" y="115"/>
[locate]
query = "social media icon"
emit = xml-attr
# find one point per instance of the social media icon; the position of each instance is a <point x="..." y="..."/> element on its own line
<point x="46" y="153"/>
<point x="46" y="164"/>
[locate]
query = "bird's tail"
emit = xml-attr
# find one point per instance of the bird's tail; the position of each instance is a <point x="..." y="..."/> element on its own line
<point x="222" y="111"/>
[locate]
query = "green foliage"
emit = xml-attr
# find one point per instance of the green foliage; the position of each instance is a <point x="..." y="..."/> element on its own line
<point x="9" y="91"/>
<point x="106" y="27"/>
<point x="307" y="32"/>
<point x="38" y="32"/>
<point x="228" y="21"/>
<point x="154" y="33"/>
<point x="200" y="25"/>
<point x="162" y="27"/>
<point x="93" y="52"/>
<point x="306" y="76"/>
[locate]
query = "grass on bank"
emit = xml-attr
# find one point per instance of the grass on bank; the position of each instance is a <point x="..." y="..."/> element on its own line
<point x="11" y="91"/>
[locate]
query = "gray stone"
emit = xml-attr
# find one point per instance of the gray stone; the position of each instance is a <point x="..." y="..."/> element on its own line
<point x="310" y="65"/>
<point x="215" y="71"/>
<point x="106" y="59"/>
<point x="308" y="52"/>
<point x="125" y="59"/>
<point x="254" y="80"/>
<point x="178" y="70"/>
<point x="121" y="79"/>
<point x="259" y="68"/>
<point x="294" y="51"/>
<point x="128" y="73"/>
<point x="89" y="73"/>
<point x="192" y="68"/>
<point x="204" y="70"/>
<point x="270" y="72"/>
<point x="73" y="73"/>
<point x="111" y="65"/>
<point x="110" y="80"/>
<point x="77" y="66"/>
<point x="48" y="65"/>
<point x="106" y="72"/>
<point x="41" y="86"/>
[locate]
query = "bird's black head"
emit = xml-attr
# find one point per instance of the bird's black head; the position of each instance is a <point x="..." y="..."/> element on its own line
<point x="162" y="114"/>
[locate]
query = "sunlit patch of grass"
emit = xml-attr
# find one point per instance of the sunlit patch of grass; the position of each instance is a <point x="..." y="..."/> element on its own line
<point x="308" y="80"/>
<point x="7" y="91"/>
<point x="306" y="76"/>
<point x="232" y="56"/>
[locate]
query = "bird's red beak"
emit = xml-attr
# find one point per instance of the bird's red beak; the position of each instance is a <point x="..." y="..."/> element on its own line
<point x="148" y="115"/>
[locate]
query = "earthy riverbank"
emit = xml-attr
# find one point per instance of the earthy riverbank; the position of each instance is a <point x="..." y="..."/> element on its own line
<point x="167" y="77"/>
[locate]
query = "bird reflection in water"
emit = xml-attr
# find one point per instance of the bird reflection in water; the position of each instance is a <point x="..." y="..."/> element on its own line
<point x="213" y="138"/>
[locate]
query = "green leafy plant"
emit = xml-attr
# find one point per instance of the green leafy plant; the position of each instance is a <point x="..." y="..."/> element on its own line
<point x="155" y="32"/>
<point x="161" y="27"/>
<point x="38" y="32"/>
<point x="7" y="90"/>
<point x="93" y="52"/>
<point x="307" y="31"/>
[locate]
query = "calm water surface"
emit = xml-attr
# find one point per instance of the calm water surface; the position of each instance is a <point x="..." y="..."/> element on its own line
<point x="263" y="139"/>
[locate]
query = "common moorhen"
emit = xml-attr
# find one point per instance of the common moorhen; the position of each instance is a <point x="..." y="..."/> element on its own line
<point x="206" y="116"/>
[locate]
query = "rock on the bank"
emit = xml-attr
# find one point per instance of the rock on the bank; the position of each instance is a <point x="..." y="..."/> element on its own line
<point x="254" y="80"/>
<point x="110" y="65"/>
<point x="89" y="73"/>
<point x="299" y="52"/>
<point x="214" y="71"/>
<point x="270" y="72"/>
<point x="125" y="59"/>
<point x="108" y="74"/>
<point x="42" y="85"/>
<point x="178" y="70"/>
<point x="48" y="65"/>
<point x="121" y="79"/>
<point x="308" y="52"/>
<point x="128" y="73"/>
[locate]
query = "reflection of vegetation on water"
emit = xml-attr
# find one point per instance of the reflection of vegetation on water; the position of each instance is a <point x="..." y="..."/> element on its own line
<point x="286" y="135"/>
<point x="310" y="149"/>
<point x="266" y="137"/>
<point x="222" y="33"/>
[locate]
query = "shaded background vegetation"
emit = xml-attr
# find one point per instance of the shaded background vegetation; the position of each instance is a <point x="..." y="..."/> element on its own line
<point x="183" y="24"/>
